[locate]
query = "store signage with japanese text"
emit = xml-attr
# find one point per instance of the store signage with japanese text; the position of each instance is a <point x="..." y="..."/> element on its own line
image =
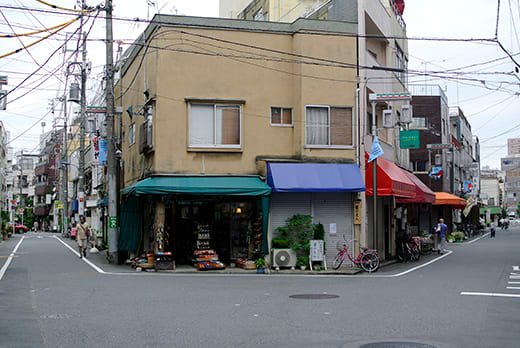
<point x="410" y="139"/>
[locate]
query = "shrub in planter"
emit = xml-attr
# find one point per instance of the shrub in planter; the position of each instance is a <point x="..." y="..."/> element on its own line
<point x="302" y="261"/>
<point x="459" y="236"/>
<point x="281" y="243"/>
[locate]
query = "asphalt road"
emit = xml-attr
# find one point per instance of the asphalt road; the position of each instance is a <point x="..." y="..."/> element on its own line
<point x="51" y="298"/>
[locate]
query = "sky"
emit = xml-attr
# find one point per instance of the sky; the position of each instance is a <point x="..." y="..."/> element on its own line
<point x="488" y="94"/>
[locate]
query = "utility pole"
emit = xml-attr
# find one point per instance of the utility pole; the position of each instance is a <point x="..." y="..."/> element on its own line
<point x="64" y="172"/>
<point x="20" y="184"/>
<point x="83" y="102"/>
<point x="113" y="196"/>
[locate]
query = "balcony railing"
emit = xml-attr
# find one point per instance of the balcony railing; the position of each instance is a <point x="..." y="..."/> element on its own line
<point x="428" y="90"/>
<point x="398" y="14"/>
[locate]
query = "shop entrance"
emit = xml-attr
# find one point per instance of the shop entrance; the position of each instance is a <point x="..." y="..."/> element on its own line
<point x="232" y="229"/>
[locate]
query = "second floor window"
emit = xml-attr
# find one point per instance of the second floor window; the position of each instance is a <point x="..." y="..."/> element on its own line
<point x="328" y="126"/>
<point x="215" y="125"/>
<point x="281" y="116"/>
<point x="131" y="134"/>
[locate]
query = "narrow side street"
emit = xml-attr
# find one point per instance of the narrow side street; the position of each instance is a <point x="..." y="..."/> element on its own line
<point x="54" y="299"/>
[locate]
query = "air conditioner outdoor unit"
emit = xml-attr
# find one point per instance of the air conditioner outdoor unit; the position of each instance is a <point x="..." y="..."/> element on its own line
<point x="283" y="258"/>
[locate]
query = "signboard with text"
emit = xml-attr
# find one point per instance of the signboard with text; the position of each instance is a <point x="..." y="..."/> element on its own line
<point x="439" y="146"/>
<point x="409" y="139"/>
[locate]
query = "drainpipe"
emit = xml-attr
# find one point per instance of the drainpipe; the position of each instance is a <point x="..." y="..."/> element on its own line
<point x="357" y="128"/>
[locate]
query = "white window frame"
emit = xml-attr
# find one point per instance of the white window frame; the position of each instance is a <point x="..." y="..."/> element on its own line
<point x="215" y="146"/>
<point x="131" y="134"/>
<point x="342" y="147"/>
<point x="281" y="117"/>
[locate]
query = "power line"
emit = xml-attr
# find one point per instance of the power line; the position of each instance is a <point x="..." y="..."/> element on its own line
<point x="310" y="32"/>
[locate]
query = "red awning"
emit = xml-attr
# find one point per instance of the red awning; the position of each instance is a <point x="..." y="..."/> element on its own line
<point x="423" y="194"/>
<point x="444" y="198"/>
<point x="391" y="180"/>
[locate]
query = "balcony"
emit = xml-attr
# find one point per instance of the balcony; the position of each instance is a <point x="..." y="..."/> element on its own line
<point x="379" y="81"/>
<point x="41" y="209"/>
<point x="42" y="188"/>
<point x="428" y="90"/>
<point x="41" y="168"/>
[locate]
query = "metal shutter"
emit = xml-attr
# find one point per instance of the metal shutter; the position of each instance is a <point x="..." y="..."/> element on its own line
<point x="334" y="207"/>
<point x="286" y="204"/>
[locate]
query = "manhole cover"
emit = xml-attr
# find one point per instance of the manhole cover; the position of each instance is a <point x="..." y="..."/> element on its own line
<point x="396" y="345"/>
<point x="56" y="316"/>
<point x="314" y="296"/>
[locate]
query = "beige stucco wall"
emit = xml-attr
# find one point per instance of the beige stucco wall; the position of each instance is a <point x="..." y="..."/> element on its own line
<point x="175" y="72"/>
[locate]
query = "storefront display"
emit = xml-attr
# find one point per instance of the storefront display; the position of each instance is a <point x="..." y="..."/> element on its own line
<point x="205" y="258"/>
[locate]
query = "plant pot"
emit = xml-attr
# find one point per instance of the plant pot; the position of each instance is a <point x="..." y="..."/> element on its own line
<point x="260" y="270"/>
<point x="302" y="268"/>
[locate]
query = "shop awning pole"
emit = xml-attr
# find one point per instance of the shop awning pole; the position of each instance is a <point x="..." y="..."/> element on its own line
<point x="374" y="174"/>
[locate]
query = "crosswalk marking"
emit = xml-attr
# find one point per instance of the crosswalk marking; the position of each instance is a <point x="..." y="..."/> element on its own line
<point x="513" y="282"/>
<point x="513" y="288"/>
<point x="516" y="268"/>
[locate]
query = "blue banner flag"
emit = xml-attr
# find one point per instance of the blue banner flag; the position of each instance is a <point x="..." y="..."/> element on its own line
<point x="102" y="151"/>
<point x="436" y="173"/>
<point x="376" y="151"/>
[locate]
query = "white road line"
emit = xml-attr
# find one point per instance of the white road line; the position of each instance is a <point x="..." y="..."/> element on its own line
<point x="8" y="261"/>
<point x="513" y="288"/>
<point x="490" y="294"/>
<point x="514" y="277"/>
<point x="99" y="270"/>
<point x="516" y="268"/>
<point x="514" y="274"/>
<point x="479" y="238"/>
<point x="88" y="262"/>
<point x="513" y="282"/>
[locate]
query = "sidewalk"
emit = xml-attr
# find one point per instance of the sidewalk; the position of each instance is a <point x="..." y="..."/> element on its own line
<point x="100" y="260"/>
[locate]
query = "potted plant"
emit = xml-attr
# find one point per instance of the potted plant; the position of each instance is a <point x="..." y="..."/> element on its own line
<point x="302" y="262"/>
<point x="260" y="265"/>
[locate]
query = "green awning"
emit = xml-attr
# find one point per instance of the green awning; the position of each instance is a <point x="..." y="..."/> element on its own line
<point x="131" y="205"/>
<point x="492" y="210"/>
<point x="200" y="185"/>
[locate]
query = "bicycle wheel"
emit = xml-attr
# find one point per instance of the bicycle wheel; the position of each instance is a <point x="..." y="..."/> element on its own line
<point x="416" y="254"/>
<point x="338" y="260"/>
<point x="369" y="262"/>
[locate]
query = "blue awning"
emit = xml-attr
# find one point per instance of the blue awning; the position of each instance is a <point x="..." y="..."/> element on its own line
<point x="314" y="177"/>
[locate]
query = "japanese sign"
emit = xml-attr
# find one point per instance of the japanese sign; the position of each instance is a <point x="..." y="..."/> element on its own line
<point x="376" y="151"/>
<point x="357" y="213"/>
<point x="409" y="139"/>
<point x="316" y="250"/>
<point x="103" y="151"/>
<point x="95" y="152"/>
<point x="112" y="222"/>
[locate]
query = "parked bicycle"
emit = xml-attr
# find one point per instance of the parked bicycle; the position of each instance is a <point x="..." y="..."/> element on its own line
<point x="408" y="248"/>
<point x="367" y="259"/>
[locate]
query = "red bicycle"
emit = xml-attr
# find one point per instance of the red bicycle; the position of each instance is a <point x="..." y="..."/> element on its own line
<point x="368" y="259"/>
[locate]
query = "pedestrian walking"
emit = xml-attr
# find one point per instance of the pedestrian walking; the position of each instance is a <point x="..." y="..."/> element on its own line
<point x="82" y="235"/>
<point x="492" y="230"/>
<point x="440" y="231"/>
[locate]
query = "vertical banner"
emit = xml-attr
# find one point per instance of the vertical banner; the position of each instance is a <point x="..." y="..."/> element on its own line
<point x="95" y="152"/>
<point x="102" y="151"/>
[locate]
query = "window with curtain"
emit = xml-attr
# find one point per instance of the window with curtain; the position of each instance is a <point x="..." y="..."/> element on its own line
<point x="328" y="126"/>
<point x="213" y="125"/>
